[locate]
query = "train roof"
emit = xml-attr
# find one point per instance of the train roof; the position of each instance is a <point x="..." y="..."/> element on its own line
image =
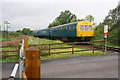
<point x="65" y="24"/>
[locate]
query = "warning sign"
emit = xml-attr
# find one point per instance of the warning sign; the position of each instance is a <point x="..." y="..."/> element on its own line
<point x="106" y="30"/>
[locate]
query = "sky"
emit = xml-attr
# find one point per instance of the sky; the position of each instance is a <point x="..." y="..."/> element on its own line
<point x="37" y="14"/>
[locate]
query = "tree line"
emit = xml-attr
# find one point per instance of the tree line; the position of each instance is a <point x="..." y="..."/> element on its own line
<point x="25" y="31"/>
<point x="113" y="21"/>
<point x="68" y="17"/>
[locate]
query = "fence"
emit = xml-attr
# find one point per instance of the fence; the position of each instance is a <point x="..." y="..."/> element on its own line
<point x="29" y="55"/>
<point x="13" y="51"/>
<point x="89" y="46"/>
<point x="50" y="48"/>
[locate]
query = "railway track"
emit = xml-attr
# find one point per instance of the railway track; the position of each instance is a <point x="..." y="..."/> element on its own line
<point x="108" y="48"/>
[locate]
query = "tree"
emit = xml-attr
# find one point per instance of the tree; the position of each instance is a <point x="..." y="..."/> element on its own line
<point x="54" y="23"/>
<point x="113" y="17"/>
<point x="27" y="31"/>
<point x="64" y="17"/>
<point x="98" y="30"/>
<point x="89" y="18"/>
<point x="113" y="20"/>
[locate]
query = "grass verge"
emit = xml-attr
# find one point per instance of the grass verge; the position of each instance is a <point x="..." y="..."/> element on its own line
<point x="63" y="55"/>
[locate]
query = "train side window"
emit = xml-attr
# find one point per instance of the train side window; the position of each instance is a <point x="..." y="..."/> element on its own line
<point x="66" y="28"/>
<point x="71" y="28"/>
<point x="63" y="29"/>
<point x="81" y="28"/>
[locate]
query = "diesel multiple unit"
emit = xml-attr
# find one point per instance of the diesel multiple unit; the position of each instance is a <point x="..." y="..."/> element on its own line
<point x="76" y="31"/>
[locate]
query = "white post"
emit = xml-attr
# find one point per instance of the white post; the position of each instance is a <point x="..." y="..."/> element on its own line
<point x="105" y="43"/>
<point x="21" y="62"/>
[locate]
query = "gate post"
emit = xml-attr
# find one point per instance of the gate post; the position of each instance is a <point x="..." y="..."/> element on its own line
<point x="32" y="63"/>
<point x="93" y="45"/>
<point x="25" y="47"/>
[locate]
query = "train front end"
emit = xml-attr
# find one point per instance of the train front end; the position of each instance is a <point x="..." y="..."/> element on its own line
<point x="84" y="30"/>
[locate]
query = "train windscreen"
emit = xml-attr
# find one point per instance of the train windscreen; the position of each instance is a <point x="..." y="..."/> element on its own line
<point x="81" y="28"/>
<point x="90" y="28"/>
<point x="85" y="28"/>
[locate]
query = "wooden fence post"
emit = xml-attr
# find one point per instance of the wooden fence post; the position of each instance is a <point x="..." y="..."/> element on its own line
<point x="25" y="47"/>
<point x="93" y="45"/>
<point x="25" y="43"/>
<point x="32" y="63"/>
<point x="72" y="49"/>
<point x="49" y="48"/>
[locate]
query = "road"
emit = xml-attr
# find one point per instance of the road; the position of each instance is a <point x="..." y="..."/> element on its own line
<point x="100" y="66"/>
<point x="7" y="69"/>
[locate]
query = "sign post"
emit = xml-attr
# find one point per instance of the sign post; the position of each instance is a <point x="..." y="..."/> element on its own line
<point x="105" y="36"/>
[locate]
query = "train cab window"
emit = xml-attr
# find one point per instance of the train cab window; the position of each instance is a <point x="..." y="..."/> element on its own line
<point x="81" y="28"/>
<point x="87" y="28"/>
<point x="90" y="28"/>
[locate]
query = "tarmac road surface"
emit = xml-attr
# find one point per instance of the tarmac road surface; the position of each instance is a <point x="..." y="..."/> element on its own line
<point x="98" y="66"/>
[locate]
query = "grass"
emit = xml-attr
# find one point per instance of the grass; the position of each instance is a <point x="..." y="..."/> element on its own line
<point x="33" y="40"/>
<point x="10" y="59"/>
<point x="63" y="55"/>
<point x="110" y="44"/>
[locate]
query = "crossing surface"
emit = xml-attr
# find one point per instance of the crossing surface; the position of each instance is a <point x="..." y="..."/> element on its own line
<point x="97" y="66"/>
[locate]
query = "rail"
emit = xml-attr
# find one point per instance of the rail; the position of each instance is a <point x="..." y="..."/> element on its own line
<point x="108" y="48"/>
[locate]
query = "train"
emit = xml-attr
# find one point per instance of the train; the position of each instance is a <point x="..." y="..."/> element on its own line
<point x="71" y="32"/>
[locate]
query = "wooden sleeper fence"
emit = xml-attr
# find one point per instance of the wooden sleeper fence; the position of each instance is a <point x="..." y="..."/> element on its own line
<point x="51" y="48"/>
<point x="72" y="47"/>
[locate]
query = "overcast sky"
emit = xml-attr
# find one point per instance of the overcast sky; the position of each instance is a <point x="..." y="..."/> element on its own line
<point x="36" y="14"/>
